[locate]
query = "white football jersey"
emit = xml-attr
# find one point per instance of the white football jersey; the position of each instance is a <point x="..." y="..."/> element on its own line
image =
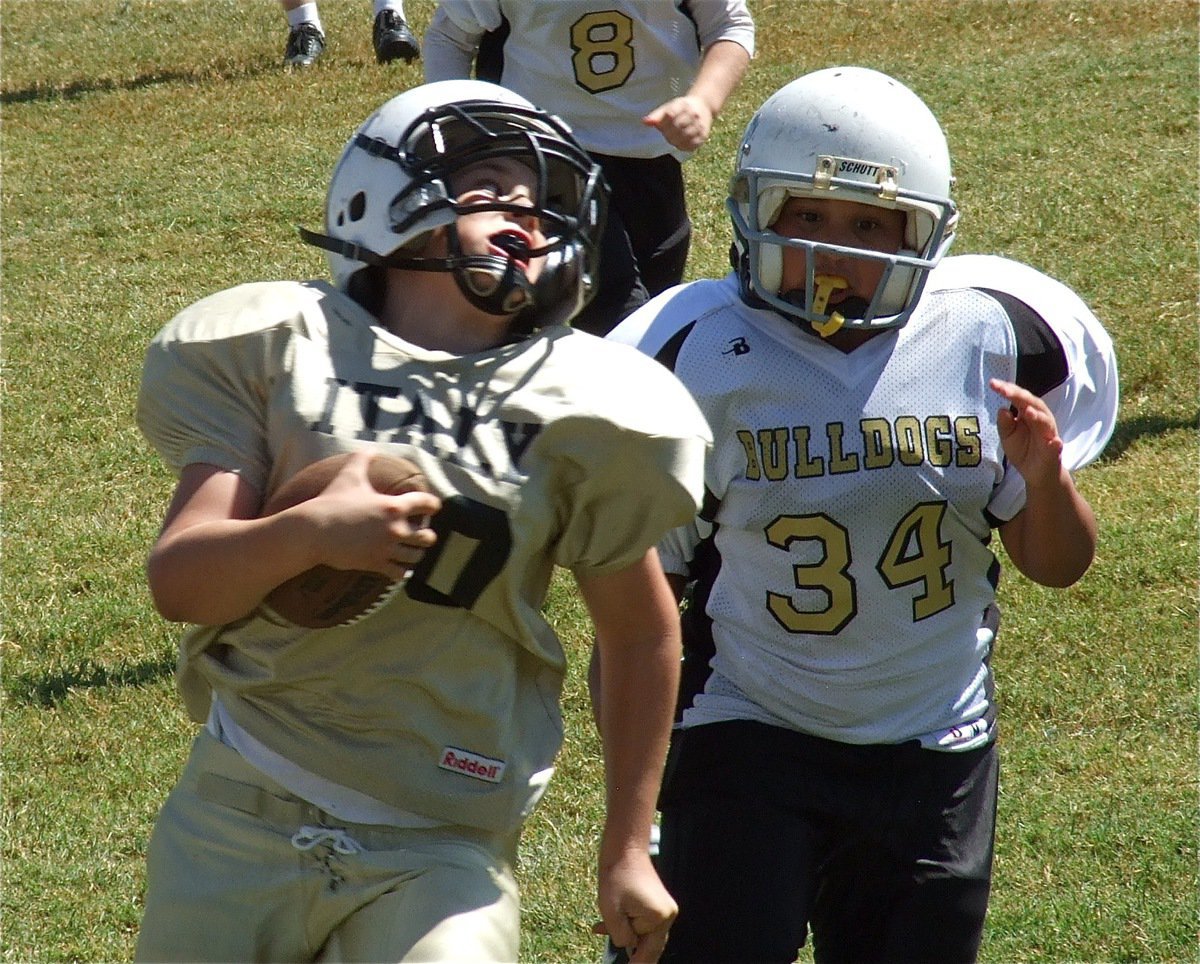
<point x="843" y="550"/>
<point x="559" y="449"/>
<point x="601" y="66"/>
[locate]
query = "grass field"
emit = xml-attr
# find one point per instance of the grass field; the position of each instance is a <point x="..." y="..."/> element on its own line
<point x="154" y="151"/>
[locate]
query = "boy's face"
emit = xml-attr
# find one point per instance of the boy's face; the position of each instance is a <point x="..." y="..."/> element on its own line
<point x="849" y="224"/>
<point x="503" y="234"/>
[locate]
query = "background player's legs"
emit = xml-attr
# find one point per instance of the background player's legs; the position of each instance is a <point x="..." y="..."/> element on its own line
<point x="620" y="290"/>
<point x="741" y="866"/>
<point x="649" y="194"/>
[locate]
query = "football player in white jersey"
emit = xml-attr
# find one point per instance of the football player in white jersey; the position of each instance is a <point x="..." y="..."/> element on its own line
<point x="639" y="81"/>
<point x="356" y="793"/>
<point x="877" y="412"/>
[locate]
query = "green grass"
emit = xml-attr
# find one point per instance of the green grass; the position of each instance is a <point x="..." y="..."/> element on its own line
<point x="162" y="154"/>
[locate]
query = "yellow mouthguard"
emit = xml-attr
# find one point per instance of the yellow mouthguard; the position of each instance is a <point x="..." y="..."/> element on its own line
<point x="827" y="284"/>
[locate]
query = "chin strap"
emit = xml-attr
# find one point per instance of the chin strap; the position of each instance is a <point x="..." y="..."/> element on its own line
<point x="356" y="252"/>
<point x="508" y="279"/>
<point x="346" y="249"/>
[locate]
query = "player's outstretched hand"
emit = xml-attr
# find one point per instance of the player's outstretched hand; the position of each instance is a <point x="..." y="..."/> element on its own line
<point x="1029" y="434"/>
<point x="636" y="908"/>
<point x="684" y="121"/>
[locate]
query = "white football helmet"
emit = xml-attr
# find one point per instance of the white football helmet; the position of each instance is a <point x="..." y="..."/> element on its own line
<point x="845" y="133"/>
<point x="393" y="185"/>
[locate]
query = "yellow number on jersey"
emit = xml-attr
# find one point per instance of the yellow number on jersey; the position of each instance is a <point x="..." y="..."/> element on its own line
<point x="829" y="575"/>
<point x="603" y="45"/>
<point x="915" y="554"/>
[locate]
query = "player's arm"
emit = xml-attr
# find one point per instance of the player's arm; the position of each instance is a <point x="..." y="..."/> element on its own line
<point x="449" y="50"/>
<point x="638" y="644"/>
<point x="686" y="121"/>
<point x="214" y="561"/>
<point x="1052" y="540"/>
<point x="677" y="584"/>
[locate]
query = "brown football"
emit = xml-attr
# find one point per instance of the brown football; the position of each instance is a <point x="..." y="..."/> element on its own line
<point x="323" y="596"/>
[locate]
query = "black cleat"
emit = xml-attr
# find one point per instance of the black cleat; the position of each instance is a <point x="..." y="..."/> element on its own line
<point x="304" y="45"/>
<point x="393" y="39"/>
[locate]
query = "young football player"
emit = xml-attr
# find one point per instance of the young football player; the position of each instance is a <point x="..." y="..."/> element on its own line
<point x="639" y="81"/>
<point x="356" y="793"/>
<point x="876" y="418"/>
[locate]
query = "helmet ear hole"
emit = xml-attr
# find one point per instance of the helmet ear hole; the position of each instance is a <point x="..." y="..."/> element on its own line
<point x="358" y="206"/>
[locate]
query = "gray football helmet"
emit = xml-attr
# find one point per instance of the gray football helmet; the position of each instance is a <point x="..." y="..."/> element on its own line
<point x="845" y="133"/>
<point x="393" y="185"/>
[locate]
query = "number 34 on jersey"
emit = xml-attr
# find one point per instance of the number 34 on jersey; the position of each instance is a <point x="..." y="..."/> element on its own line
<point x="917" y="554"/>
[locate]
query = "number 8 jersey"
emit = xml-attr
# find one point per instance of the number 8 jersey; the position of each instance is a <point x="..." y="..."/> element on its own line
<point x="841" y="563"/>
<point x="557" y="449"/>
<point x="602" y="66"/>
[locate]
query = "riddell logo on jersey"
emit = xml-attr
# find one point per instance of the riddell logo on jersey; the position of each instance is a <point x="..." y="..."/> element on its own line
<point x="472" y="764"/>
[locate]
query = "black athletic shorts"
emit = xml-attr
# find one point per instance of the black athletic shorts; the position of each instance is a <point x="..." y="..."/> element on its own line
<point x="884" y="852"/>
<point x="646" y="239"/>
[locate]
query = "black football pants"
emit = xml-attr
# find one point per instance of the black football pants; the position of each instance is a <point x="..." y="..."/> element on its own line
<point x="884" y="851"/>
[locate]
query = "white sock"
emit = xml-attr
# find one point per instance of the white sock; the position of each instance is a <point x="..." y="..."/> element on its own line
<point x="382" y="5"/>
<point x="305" y="13"/>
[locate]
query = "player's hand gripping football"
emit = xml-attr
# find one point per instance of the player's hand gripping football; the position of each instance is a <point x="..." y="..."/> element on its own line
<point x="361" y="528"/>
<point x="636" y="908"/>
<point x="1029" y="434"/>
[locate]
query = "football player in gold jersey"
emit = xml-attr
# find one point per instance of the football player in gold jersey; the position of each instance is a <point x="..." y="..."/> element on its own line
<point x="356" y="793"/>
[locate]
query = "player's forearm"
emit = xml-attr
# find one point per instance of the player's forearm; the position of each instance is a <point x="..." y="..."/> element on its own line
<point x="1053" y="539"/>
<point x="638" y="649"/>
<point x="639" y="686"/>
<point x="640" y="678"/>
<point x="677" y="584"/>
<point x="721" y="70"/>
<point x="215" y="572"/>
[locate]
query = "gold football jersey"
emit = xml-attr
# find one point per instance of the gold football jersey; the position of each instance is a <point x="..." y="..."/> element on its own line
<point x="557" y="450"/>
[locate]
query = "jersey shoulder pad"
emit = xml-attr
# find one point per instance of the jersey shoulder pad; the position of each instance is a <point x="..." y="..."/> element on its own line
<point x="628" y="444"/>
<point x="259" y="307"/>
<point x="668" y="315"/>
<point x="1064" y="352"/>
<point x="614" y="382"/>
<point x="1062" y="310"/>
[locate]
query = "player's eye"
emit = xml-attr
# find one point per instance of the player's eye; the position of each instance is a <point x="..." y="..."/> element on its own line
<point x="881" y="234"/>
<point x="492" y="192"/>
<point x="796" y="223"/>
<point x="479" y="192"/>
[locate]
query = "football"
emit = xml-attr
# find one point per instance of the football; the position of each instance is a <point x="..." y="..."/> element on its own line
<point x="323" y="596"/>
